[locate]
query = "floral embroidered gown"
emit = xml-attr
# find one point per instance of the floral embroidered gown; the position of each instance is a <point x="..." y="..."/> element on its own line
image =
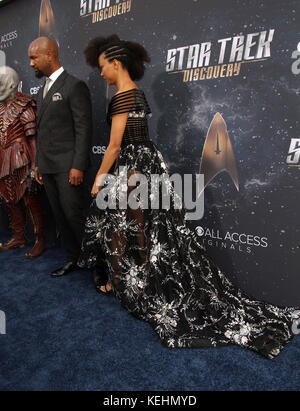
<point x="160" y="272"/>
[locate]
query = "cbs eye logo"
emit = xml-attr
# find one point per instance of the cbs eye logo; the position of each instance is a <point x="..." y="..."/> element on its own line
<point x="199" y="231"/>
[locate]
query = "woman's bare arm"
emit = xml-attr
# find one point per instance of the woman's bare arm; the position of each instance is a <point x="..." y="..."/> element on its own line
<point x="116" y="134"/>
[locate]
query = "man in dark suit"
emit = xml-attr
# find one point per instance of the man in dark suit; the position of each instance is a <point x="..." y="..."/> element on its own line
<point x="64" y="120"/>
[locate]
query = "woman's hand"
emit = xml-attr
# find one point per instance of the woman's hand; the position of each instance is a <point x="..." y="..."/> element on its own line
<point x="97" y="184"/>
<point x="95" y="189"/>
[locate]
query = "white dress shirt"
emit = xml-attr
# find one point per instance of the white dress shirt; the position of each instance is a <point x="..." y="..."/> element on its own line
<point x="54" y="76"/>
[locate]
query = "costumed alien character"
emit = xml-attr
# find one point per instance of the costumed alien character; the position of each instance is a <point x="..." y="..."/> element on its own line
<point x="17" y="160"/>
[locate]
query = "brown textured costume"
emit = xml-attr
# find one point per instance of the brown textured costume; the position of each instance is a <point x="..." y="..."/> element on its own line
<point x="17" y="156"/>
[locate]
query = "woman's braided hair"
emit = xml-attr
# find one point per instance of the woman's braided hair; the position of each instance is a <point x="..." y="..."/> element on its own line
<point x="132" y="56"/>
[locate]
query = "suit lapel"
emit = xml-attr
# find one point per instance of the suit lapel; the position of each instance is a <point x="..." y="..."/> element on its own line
<point x="44" y="103"/>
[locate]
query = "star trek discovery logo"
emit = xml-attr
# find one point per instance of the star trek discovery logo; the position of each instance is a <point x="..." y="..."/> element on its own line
<point x="101" y="10"/>
<point x="205" y="61"/>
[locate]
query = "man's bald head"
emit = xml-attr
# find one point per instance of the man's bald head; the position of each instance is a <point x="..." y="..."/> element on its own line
<point x="43" y="55"/>
<point x="45" y="45"/>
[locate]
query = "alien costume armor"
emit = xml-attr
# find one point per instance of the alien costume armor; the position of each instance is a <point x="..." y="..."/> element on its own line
<point x="17" y="159"/>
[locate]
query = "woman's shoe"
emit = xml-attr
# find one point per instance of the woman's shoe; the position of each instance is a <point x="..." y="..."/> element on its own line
<point x="100" y="279"/>
<point x="106" y="292"/>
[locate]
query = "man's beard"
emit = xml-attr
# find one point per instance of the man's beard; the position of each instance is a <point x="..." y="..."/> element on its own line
<point x="38" y="73"/>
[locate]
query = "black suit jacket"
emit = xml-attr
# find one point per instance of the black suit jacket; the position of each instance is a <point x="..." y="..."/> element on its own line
<point x="64" y="120"/>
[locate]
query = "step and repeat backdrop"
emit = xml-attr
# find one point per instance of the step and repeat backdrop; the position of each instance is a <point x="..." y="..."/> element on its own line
<point x="223" y="86"/>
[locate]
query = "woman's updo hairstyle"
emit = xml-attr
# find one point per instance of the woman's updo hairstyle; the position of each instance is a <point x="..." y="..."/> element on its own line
<point x="131" y="55"/>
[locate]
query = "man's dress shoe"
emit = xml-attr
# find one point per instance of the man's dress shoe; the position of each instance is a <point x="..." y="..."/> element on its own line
<point x="66" y="269"/>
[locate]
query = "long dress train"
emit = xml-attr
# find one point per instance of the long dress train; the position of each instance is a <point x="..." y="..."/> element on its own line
<point x="158" y="269"/>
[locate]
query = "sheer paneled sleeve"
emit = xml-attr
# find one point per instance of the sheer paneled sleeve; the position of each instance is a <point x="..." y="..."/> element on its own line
<point x="131" y="101"/>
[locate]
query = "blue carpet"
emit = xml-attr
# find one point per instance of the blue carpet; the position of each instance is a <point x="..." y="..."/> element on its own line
<point x="62" y="335"/>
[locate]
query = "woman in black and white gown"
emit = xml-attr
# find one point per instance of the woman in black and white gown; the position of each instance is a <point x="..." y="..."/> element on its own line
<point x="157" y="268"/>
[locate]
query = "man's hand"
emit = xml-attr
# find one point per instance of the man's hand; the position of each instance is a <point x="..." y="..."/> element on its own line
<point x="38" y="176"/>
<point x="75" y="177"/>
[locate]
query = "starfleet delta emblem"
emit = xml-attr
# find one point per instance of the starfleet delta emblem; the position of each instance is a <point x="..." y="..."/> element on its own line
<point x="217" y="154"/>
<point x="47" y="21"/>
